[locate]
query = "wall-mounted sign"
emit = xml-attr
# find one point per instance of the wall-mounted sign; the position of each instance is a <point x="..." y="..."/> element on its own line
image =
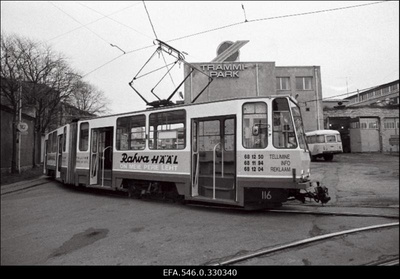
<point x="224" y="70"/>
<point x="22" y="127"/>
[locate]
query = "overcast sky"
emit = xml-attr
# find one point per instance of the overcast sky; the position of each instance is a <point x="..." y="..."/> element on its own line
<point x="356" y="47"/>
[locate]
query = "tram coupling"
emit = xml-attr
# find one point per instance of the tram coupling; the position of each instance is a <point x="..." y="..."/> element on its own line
<point x="319" y="194"/>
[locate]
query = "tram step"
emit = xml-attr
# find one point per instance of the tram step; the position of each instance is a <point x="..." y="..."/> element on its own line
<point x="226" y="182"/>
<point x="107" y="181"/>
<point x="220" y="193"/>
<point x="218" y="188"/>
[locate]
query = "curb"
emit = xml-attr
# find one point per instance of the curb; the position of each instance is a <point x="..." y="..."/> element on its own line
<point x="21" y="185"/>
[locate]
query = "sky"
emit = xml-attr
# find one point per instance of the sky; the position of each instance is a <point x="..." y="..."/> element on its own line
<point x="108" y="42"/>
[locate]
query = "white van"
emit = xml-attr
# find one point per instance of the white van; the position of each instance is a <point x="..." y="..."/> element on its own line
<point x="324" y="143"/>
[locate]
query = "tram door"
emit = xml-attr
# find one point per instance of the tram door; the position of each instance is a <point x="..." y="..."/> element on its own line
<point x="60" y="144"/>
<point x="101" y="157"/>
<point x="214" y="157"/>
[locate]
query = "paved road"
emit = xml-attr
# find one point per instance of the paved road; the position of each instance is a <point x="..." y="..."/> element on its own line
<point x="51" y="224"/>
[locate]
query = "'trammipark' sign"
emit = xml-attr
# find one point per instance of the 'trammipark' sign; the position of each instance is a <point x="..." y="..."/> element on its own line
<point x="223" y="70"/>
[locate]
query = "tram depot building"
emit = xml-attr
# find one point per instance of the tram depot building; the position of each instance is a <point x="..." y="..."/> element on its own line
<point x="254" y="79"/>
<point x="364" y="126"/>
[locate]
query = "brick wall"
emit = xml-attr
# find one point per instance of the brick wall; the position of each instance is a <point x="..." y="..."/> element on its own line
<point x="6" y="140"/>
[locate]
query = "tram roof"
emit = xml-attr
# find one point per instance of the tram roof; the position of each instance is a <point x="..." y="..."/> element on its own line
<point x="183" y="105"/>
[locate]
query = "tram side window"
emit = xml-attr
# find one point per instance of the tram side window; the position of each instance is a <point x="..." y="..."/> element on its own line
<point x="46" y="144"/>
<point x="255" y="128"/>
<point x="131" y="132"/>
<point x="54" y="142"/>
<point x="65" y="140"/>
<point x="50" y="143"/>
<point x="84" y="136"/>
<point x="167" y="130"/>
<point x="283" y="130"/>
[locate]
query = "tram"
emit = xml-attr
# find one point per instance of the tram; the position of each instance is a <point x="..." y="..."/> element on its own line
<point x="246" y="152"/>
<point x="243" y="152"/>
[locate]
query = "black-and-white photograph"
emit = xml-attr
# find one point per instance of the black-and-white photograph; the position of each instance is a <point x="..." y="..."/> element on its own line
<point x="200" y="138"/>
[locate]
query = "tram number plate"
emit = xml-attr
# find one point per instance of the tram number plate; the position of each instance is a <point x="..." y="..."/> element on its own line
<point x="266" y="195"/>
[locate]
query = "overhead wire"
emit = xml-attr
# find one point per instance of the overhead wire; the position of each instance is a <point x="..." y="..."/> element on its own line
<point x="155" y="34"/>
<point x="94" y="21"/>
<point x="274" y="17"/>
<point x="317" y="12"/>
<point x="85" y="26"/>
<point x="249" y="21"/>
<point x="80" y="23"/>
<point x="101" y="66"/>
<point x="110" y="18"/>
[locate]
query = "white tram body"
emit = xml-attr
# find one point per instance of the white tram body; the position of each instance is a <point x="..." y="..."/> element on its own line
<point x="56" y="155"/>
<point x="244" y="152"/>
<point x="324" y="143"/>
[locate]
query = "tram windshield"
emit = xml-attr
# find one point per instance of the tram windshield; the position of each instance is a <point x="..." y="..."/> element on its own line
<point x="283" y="129"/>
<point x="298" y="123"/>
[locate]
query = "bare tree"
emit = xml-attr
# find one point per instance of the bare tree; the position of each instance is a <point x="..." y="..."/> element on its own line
<point x="42" y="75"/>
<point x="11" y="77"/>
<point x="88" y="98"/>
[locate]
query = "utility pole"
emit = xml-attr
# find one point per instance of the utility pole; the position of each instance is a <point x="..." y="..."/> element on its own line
<point x="19" y="122"/>
<point x="317" y="96"/>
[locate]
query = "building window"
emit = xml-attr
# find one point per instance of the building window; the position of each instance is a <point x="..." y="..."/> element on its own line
<point x="303" y="83"/>
<point x="385" y="90"/>
<point x="369" y="123"/>
<point x="167" y="130"/>
<point x="84" y="136"/>
<point x="355" y="125"/>
<point x="131" y="132"/>
<point x="390" y="123"/>
<point x="255" y="125"/>
<point x="363" y="125"/>
<point x="373" y="125"/>
<point x="283" y="83"/>
<point x="394" y="87"/>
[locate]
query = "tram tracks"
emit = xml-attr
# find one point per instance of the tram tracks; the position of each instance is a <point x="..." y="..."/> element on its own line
<point x="303" y="242"/>
<point x="334" y="213"/>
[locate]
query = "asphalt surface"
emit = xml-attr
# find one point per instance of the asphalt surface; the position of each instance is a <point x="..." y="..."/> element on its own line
<point x="46" y="223"/>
